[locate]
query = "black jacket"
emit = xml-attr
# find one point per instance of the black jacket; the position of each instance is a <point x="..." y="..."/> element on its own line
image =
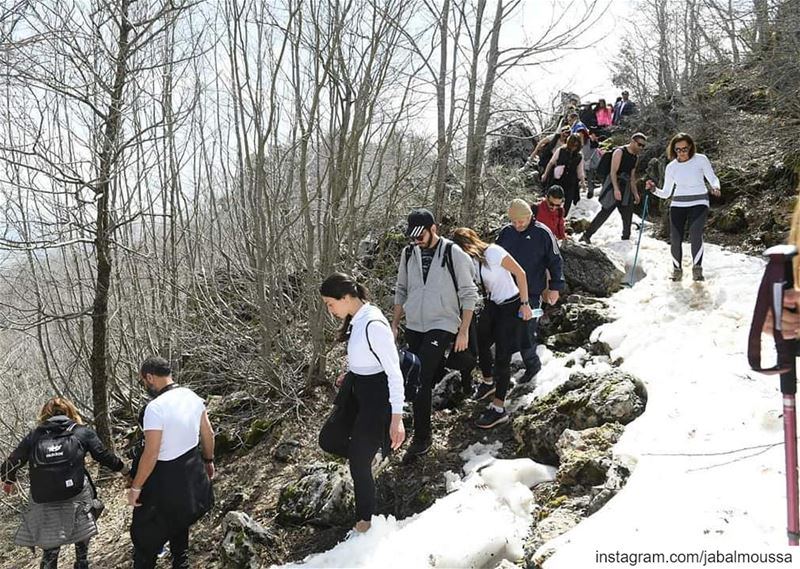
<point x="536" y="250"/>
<point x="89" y="440"/>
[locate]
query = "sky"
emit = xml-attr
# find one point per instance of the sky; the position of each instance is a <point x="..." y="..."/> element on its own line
<point x="707" y="454"/>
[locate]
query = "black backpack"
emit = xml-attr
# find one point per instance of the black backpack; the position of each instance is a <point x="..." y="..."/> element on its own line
<point x="604" y="166"/>
<point x="410" y="367"/>
<point x="56" y="465"/>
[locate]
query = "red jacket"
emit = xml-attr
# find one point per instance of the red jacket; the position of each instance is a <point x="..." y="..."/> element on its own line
<point x="552" y="218"/>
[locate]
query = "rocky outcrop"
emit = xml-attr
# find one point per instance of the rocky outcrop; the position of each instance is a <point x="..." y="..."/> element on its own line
<point x="323" y="496"/>
<point x="583" y="401"/>
<point x="512" y="146"/>
<point x="243" y="535"/>
<point x="589" y="269"/>
<point x="571" y="324"/>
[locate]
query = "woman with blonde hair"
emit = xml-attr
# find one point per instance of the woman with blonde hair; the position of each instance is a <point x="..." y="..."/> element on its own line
<point x="60" y="511"/>
<point x="506" y="306"/>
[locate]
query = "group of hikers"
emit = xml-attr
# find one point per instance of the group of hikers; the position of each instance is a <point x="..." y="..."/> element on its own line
<point x="169" y="478"/>
<point x="440" y="283"/>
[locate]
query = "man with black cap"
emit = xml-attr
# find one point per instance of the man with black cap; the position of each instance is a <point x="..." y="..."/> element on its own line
<point x="436" y="292"/>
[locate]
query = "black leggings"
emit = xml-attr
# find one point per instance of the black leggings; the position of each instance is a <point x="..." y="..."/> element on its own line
<point x="625" y="212"/>
<point x="356" y="431"/>
<point x="50" y="556"/>
<point x="178" y="548"/>
<point x="498" y="324"/>
<point x="679" y="217"/>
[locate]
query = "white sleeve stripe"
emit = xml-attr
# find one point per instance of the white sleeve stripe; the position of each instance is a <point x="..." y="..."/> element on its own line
<point x="553" y="239"/>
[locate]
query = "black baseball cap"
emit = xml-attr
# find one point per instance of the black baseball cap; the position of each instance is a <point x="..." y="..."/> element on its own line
<point x="418" y="221"/>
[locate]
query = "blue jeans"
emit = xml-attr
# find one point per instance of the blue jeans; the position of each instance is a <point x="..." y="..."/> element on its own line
<point x="527" y="343"/>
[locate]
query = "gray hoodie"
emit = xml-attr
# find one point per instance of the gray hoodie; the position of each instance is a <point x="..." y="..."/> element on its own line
<point x="434" y="304"/>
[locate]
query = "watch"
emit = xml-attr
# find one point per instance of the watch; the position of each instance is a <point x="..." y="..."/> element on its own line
<point x="208" y="460"/>
<point x="525" y="303"/>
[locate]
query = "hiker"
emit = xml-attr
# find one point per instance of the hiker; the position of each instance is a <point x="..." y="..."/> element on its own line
<point x="623" y="107"/>
<point x="604" y="114"/>
<point x="172" y="487"/>
<point x="575" y="124"/>
<point x="566" y="169"/>
<point x="619" y="188"/>
<point x="370" y="398"/>
<point x="686" y="174"/>
<point x="506" y="307"/>
<point x="436" y="293"/>
<point x="63" y="500"/>
<point x="548" y="145"/>
<point x="534" y="247"/>
<point x="550" y="211"/>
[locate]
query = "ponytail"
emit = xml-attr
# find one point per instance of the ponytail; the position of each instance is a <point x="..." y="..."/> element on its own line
<point x="337" y="286"/>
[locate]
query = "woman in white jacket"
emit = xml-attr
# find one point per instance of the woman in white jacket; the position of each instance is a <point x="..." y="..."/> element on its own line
<point x="370" y="398"/>
<point x="687" y="174"/>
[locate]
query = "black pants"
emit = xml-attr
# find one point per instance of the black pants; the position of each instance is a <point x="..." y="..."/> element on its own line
<point x="178" y="548"/>
<point x="430" y="348"/>
<point x="527" y="332"/>
<point x="499" y="324"/>
<point x="356" y="430"/>
<point x="679" y="218"/>
<point x="625" y="211"/>
<point x="50" y="556"/>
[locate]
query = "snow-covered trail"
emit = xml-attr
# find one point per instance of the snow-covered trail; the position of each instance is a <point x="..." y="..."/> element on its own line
<point x="693" y="485"/>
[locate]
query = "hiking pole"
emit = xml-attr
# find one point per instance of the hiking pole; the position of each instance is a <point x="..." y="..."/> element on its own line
<point x="639" y="241"/>
<point x="778" y="277"/>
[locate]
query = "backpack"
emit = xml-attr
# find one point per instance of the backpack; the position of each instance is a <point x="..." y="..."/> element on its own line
<point x="604" y="166"/>
<point x="410" y="367"/>
<point x="56" y="465"/>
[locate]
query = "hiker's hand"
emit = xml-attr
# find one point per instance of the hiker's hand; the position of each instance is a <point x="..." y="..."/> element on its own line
<point x="526" y="311"/>
<point x="133" y="497"/>
<point x="211" y="470"/>
<point x="636" y="198"/>
<point x="397" y="431"/>
<point x="618" y="195"/>
<point x="790" y="317"/>
<point x="8" y="488"/>
<point x="461" y="341"/>
<point x="715" y="192"/>
<point x="552" y="297"/>
<point x="339" y="380"/>
<point x="650" y="186"/>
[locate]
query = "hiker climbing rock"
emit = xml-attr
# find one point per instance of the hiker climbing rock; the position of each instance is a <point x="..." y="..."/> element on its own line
<point x="535" y="248"/>
<point x="172" y="487"/>
<point x="506" y="307"/>
<point x="436" y="293"/>
<point x="369" y="405"/>
<point x="620" y="186"/>
<point x="685" y="182"/>
<point x="63" y="501"/>
<point x="566" y="169"/>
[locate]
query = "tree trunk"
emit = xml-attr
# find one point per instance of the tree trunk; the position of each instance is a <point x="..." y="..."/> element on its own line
<point x="98" y="359"/>
<point x="442" y="147"/>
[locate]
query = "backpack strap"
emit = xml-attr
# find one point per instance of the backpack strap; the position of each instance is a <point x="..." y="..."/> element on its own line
<point x="447" y="260"/>
<point x="366" y="333"/>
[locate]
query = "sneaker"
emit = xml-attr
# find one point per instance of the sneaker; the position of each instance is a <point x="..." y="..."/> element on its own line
<point x="418" y="447"/>
<point x="484" y="391"/>
<point x="697" y="274"/>
<point x="677" y="274"/>
<point x="491" y="418"/>
<point x="530" y="373"/>
<point x="586" y="238"/>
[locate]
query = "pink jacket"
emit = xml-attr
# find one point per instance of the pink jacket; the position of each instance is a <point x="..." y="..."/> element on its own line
<point x="604" y="116"/>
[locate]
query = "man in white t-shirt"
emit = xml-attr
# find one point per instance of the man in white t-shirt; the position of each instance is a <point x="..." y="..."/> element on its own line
<point x="172" y="486"/>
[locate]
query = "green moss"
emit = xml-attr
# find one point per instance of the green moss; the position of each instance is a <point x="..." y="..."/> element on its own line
<point x="259" y="429"/>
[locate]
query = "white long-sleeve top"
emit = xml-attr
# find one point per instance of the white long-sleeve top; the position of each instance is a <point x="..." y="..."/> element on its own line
<point x="361" y="360"/>
<point x="688" y="180"/>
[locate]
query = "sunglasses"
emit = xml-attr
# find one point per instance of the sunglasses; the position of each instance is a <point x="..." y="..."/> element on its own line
<point x="640" y="144"/>
<point x="553" y="205"/>
<point x="681" y="149"/>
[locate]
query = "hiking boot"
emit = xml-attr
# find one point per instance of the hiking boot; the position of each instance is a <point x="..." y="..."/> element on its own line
<point x="586" y="238"/>
<point x="677" y="274"/>
<point x="697" y="274"/>
<point x="484" y="391"/>
<point x="418" y="447"/>
<point x="491" y="418"/>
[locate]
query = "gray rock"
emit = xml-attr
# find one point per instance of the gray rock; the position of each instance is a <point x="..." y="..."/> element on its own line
<point x="222" y="407"/>
<point x="585" y="456"/>
<point x="322" y="496"/>
<point x="242" y="533"/>
<point x="557" y="523"/>
<point x="571" y="326"/>
<point x="448" y="393"/>
<point x="583" y="401"/>
<point x="589" y="269"/>
<point x="286" y="450"/>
